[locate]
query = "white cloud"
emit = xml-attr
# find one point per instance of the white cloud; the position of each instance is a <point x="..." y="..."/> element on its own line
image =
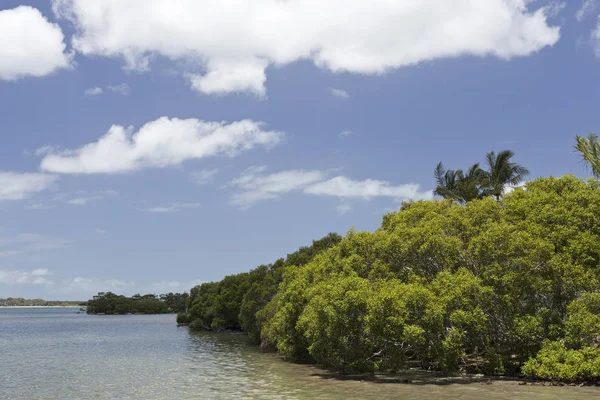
<point x="587" y="7"/>
<point x="40" y="206"/>
<point x="29" y="243"/>
<point x="595" y="39"/>
<point x="101" y="231"/>
<point x="16" y="277"/>
<point x="343" y="187"/>
<point x="18" y="186"/>
<point x="160" y="143"/>
<point x="40" y="151"/>
<point x="31" y="45"/>
<point x="173" y="207"/>
<point x="204" y="177"/>
<point x="123" y="89"/>
<point x="172" y="286"/>
<point x="95" y="91"/>
<point x="85" y="287"/>
<point x="510" y="189"/>
<point x="227" y="45"/>
<point x="339" y="93"/>
<point x="345" y="133"/>
<point x="254" y="187"/>
<point x="83" y="197"/>
<point x="81" y="201"/>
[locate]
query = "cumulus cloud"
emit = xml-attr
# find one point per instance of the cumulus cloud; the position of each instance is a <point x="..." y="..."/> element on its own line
<point x="230" y="51"/>
<point x="203" y="177"/>
<point x="95" y="91"/>
<point x="254" y="187"/>
<point x="16" y="277"/>
<point x="18" y="186"/>
<point x="32" y="45"/>
<point x="339" y="93"/>
<point x="160" y="143"/>
<point x="173" y="207"/>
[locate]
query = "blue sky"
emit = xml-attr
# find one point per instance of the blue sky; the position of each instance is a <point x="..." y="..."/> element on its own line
<point x="241" y="132"/>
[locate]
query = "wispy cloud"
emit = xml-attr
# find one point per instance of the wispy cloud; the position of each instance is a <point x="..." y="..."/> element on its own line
<point x="173" y="207"/>
<point x="587" y="8"/>
<point x="204" y="176"/>
<point x="254" y="186"/>
<point x="123" y="89"/>
<point x="343" y="208"/>
<point x="339" y="93"/>
<point x="95" y="91"/>
<point x="17" y="277"/>
<point x="29" y="243"/>
<point x="345" y="133"/>
<point x="18" y="186"/>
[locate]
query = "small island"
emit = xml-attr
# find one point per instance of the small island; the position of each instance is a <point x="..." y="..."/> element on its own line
<point x="111" y="303"/>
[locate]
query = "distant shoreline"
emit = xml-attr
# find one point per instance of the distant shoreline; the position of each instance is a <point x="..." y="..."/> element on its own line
<point x="41" y="306"/>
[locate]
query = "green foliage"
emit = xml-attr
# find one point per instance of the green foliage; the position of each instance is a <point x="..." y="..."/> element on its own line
<point x="235" y="302"/>
<point x="444" y="286"/>
<point x="110" y="303"/>
<point x="589" y="149"/>
<point x="556" y="361"/>
<point x="183" y="318"/>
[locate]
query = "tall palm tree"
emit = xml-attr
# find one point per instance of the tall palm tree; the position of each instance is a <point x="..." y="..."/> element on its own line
<point x="457" y="185"/>
<point x="589" y="147"/>
<point x="502" y="173"/>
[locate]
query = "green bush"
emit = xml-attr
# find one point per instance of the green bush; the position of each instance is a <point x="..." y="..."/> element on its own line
<point x="557" y="362"/>
<point x="183" y="318"/>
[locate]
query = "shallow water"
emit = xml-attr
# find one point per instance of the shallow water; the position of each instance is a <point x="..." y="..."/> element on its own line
<point x="56" y="353"/>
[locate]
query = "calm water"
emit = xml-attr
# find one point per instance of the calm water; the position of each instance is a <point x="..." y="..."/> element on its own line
<point x="59" y="354"/>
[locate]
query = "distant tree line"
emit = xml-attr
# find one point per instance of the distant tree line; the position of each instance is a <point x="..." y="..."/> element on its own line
<point x="111" y="303"/>
<point x="21" y="302"/>
<point x="465" y="283"/>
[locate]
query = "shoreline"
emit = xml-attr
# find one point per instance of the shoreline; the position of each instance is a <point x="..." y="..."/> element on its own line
<point x="41" y="306"/>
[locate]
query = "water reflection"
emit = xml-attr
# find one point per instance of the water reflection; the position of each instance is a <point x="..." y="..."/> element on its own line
<point x="149" y="357"/>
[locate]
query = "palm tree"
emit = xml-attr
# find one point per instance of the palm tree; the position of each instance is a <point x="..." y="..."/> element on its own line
<point x="447" y="182"/>
<point x="457" y="185"/>
<point x="589" y="147"/>
<point x="502" y="173"/>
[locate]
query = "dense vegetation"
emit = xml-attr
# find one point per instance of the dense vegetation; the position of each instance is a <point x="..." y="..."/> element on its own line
<point x="504" y="286"/>
<point x="233" y="303"/>
<point x="110" y="303"/>
<point x="21" y="302"/>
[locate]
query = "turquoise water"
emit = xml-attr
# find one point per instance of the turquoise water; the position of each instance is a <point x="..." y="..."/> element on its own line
<point x="55" y="353"/>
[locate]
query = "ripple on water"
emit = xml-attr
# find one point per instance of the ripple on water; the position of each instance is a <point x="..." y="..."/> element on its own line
<point x="149" y="357"/>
